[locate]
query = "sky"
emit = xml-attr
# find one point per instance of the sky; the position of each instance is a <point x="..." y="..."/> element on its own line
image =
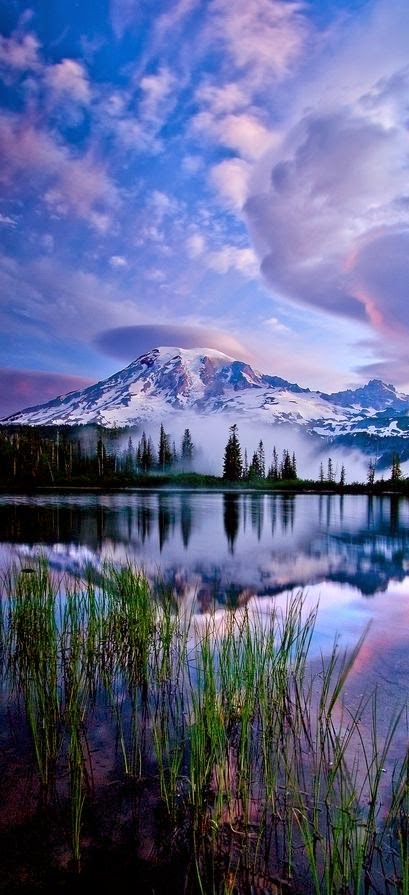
<point x="203" y="174"/>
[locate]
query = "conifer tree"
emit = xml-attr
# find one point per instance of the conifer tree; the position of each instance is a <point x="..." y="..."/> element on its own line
<point x="342" y="476"/>
<point x="187" y="448"/>
<point x="330" y="473"/>
<point x="371" y="472"/>
<point x="273" y="473"/>
<point x="321" y="472"/>
<point x="164" y="449"/>
<point x="396" y="472"/>
<point x="232" y="464"/>
<point x="261" y="460"/>
<point x="245" y="465"/>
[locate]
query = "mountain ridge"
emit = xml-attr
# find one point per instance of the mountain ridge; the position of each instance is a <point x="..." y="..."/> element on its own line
<point x="167" y="381"/>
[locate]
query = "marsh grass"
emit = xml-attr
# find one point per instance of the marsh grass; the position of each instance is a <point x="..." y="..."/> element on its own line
<point x="264" y="772"/>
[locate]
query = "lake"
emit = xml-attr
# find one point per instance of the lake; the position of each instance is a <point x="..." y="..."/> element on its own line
<point x="213" y="552"/>
<point x="349" y="552"/>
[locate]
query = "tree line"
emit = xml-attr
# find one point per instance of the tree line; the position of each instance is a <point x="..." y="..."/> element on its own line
<point x="52" y="455"/>
<point x="236" y="468"/>
<point x="49" y="455"/>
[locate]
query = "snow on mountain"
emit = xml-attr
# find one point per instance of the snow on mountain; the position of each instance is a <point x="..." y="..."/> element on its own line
<point x="169" y="381"/>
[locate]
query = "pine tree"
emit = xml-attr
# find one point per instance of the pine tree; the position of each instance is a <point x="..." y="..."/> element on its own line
<point x="342" y="476"/>
<point x="261" y="460"/>
<point x="294" y="465"/>
<point x="254" y="468"/>
<point x="371" y="472"/>
<point x="330" y="473"/>
<point x="232" y="465"/>
<point x="273" y="474"/>
<point x="164" y="450"/>
<point x="321" y="472"/>
<point x="187" y="447"/>
<point x="286" y="469"/>
<point x="396" y="472"/>
<point x="245" y="465"/>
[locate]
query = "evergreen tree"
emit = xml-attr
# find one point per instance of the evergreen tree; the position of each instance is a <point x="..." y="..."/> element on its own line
<point x="245" y="465"/>
<point x="321" y="472"/>
<point x="294" y="464"/>
<point x="187" y="447"/>
<point x="273" y="473"/>
<point x="232" y="465"/>
<point x="254" y="468"/>
<point x="286" y="469"/>
<point x="164" y="450"/>
<point x="342" y="476"/>
<point x="371" y="472"/>
<point x="330" y="473"/>
<point x="396" y="472"/>
<point x="261" y="460"/>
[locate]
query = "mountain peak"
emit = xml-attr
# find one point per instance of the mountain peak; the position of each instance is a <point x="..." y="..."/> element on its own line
<point x="169" y="379"/>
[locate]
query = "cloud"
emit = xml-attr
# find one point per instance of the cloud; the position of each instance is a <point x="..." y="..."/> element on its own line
<point x="242" y="260"/>
<point x="31" y="158"/>
<point x="195" y="245"/>
<point x="118" y="262"/>
<point x="68" y="79"/>
<point x="25" y="388"/>
<point x="329" y="216"/>
<point x="231" y="177"/>
<point x="244" y="133"/>
<point x="7" y="221"/>
<point x="124" y="13"/>
<point x="47" y="297"/>
<point x="129" y="342"/>
<point x="19" y="52"/>
<point x="157" y="90"/>
<point x="263" y="38"/>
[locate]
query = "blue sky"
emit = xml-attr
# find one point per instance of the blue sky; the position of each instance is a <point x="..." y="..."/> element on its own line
<point x="230" y="175"/>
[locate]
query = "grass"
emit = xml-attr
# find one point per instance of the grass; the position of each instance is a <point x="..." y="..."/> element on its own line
<point x="255" y="769"/>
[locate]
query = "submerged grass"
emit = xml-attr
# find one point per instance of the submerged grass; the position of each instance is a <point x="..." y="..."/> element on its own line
<point x="258" y="767"/>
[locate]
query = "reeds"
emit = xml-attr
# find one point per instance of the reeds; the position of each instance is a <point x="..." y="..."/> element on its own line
<point x="262" y="768"/>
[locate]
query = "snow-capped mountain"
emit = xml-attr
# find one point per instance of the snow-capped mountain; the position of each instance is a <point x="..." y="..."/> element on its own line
<point x="169" y="381"/>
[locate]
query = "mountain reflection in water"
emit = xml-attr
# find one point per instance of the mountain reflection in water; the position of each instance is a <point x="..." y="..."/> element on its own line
<point x="232" y="541"/>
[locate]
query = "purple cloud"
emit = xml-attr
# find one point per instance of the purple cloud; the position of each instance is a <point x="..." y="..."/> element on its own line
<point x="128" y="342"/>
<point x="25" y="388"/>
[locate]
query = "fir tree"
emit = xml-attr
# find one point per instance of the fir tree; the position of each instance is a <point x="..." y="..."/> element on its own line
<point x="371" y="473"/>
<point x="396" y="472"/>
<point x="261" y="460"/>
<point x="321" y="472"/>
<point x="342" y="476"/>
<point x="245" y="465"/>
<point x="330" y="473"/>
<point x="232" y="465"/>
<point x="273" y="473"/>
<point x="164" y="450"/>
<point x="187" y="447"/>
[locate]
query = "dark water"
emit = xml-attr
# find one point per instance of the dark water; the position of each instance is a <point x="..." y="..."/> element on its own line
<point x="349" y="552"/>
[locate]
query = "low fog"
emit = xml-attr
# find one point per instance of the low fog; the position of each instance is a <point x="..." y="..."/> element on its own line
<point x="210" y="434"/>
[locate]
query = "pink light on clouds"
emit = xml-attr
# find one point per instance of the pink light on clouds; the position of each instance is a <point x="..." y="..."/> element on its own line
<point x="26" y="388"/>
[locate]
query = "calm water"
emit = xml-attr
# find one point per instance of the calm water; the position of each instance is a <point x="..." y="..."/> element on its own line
<point x="348" y="554"/>
<point x="351" y="553"/>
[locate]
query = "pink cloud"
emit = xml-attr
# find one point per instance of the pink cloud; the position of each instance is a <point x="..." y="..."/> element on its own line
<point x="19" y="52"/>
<point x="26" y="388"/>
<point x="29" y="154"/>
<point x="68" y="78"/>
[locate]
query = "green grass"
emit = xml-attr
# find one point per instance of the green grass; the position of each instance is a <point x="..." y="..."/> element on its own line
<point x="259" y="766"/>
